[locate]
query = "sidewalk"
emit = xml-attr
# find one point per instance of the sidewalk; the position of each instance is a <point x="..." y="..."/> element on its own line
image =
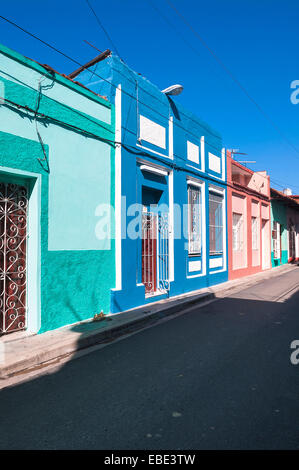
<point x="23" y="354"/>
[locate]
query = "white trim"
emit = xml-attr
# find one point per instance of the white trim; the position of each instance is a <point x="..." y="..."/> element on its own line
<point x="202" y="152"/>
<point x="223" y="164"/>
<point x="197" y="169"/>
<point x="216" y="177"/>
<point x="194" y="183"/>
<point x="194" y="265"/>
<point x="151" y="150"/>
<point x="222" y="192"/>
<point x="195" y="275"/>
<point x="152" y="169"/>
<point x="216" y="263"/>
<point x="192" y="152"/>
<point x="214" y="163"/>
<point x="171" y="228"/>
<point x="141" y="161"/>
<point x="152" y="132"/>
<point x="202" y="186"/>
<point x="204" y="231"/>
<point x="245" y="234"/>
<point x="118" y="247"/>
<point x="170" y="137"/>
<point x="34" y="256"/>
<point x="297" y="243"/>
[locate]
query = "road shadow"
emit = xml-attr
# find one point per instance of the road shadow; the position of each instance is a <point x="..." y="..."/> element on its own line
<point x="218" y="377"/>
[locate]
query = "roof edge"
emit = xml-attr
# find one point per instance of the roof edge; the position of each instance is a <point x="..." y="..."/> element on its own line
<point x="62" y="79"/>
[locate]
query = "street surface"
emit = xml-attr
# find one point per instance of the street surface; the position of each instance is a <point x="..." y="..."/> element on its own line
<point x="215" y="377"/>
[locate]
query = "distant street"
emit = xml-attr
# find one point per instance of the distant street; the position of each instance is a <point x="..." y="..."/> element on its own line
<point x="217" y="377"/>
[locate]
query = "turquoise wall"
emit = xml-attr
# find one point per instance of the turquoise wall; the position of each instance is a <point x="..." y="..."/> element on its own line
<point x="279" y="214"/>
<point x="77" y="269"/>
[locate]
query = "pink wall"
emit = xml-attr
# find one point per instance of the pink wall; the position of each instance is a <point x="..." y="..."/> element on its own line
<point x="239" y="207"/>
<point x="242" y="199"/>
<point x="256" y="212"/>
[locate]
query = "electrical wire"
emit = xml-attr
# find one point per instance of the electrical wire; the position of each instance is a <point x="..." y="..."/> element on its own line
<point x="111" y="84"/>
<point x="107" y="81"/>
<point x="45" y="159"/>
<point x="232" y="76"/>
<point x="102" y="26"/>
<point x="129" y="147"/>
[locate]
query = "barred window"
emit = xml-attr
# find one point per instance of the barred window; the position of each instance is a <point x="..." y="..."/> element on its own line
<point x="216" y="223"/>
<point x="255" y="233"/>
<point x="194" y="220"/>
<point x="237" y="232"/>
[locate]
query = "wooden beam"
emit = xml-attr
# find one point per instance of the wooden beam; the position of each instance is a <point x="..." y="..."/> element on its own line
<point x="94" y="61"/>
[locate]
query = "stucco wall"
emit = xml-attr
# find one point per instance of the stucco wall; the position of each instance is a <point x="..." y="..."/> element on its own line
<point x="173" y="130"/>
<point x="242" y="199"/>
<point x="77" y="269"/>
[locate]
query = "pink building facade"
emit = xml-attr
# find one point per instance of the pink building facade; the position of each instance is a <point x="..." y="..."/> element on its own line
<point x="248" y="219"/>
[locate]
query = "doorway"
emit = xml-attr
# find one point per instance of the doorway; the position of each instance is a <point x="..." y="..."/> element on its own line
<point x="155" y="243"/>
<point x="13" y="257"/>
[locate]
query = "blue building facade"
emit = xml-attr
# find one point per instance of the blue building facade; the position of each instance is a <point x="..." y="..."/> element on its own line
<point x="170" y="191"/>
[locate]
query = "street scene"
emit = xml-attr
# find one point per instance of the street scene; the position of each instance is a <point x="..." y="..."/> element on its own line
<point x="149" y="227"/>
<point x="217" y="376"/>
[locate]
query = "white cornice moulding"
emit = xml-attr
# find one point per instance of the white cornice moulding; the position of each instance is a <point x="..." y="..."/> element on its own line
<point x="194" y="183"/>
<point x="155" y="170"/>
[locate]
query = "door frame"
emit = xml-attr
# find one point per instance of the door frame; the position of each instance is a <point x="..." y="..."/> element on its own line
<point x="33" y="265"/>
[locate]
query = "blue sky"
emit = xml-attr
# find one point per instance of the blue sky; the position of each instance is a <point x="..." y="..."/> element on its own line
<point x="257" y="40"/>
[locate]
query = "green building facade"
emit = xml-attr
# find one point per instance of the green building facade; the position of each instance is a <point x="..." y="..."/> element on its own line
<point x="57" y="260"/>
<point x="279" y="247"/>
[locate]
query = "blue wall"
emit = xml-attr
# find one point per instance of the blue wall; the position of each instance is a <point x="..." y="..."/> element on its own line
<point x="140" y="97"/>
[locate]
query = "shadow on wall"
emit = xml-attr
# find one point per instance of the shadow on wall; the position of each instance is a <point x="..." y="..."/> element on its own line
<point x="217" y="377"/>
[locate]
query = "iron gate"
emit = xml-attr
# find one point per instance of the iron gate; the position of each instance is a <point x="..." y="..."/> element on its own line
<point x="13" y="241"/>
<point x="155" y="248"/>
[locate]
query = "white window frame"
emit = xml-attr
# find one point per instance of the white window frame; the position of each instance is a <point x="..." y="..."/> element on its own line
<point x="255" y="233"/>
<point x="238" y="231"/>
<point x="213" y="192"/>
<point x="194" y="246"/>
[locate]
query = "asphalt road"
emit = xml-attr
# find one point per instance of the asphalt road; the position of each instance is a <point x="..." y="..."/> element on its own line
<point x="217" y="377"/>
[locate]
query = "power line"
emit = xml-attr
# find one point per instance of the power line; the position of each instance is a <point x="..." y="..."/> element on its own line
<point x="154" y="7"/>
<point x="107" y="81"/>
<point x="231" y="75"/>
<point x="113" y="142"/>
<point x="102" y="78"/>
<point x="102" y="26"/>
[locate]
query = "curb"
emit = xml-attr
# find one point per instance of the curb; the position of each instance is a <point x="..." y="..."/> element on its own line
<point x="63" y="346"/>
<point x="41" y="359"/>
